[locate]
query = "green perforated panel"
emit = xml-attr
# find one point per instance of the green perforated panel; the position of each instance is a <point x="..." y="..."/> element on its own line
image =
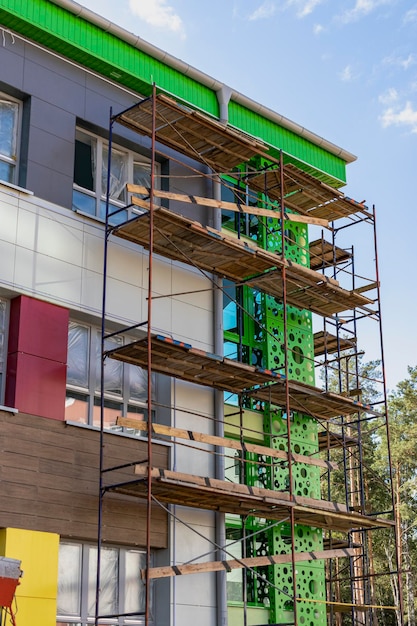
<point x="299" y="341"/>
<point x="310" y="578"/>
<point x="258" y="337"/>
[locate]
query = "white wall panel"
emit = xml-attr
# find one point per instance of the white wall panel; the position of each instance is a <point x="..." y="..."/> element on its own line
<point x="7" y="256"/>
<point x="58" y="256"/>
<point x="8" y="218"/>
<point x="47" y="278"/>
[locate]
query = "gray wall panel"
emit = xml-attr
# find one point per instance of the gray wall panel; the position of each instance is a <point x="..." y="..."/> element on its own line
<point x="54" y="88"/>
<point x="49" y="184"/>
<point x="52" y="119"/>
<point x="11" y="65"/>
<point x="58" y="95"/>
<point x="52" y="63"/>
<point x="51" y="151"/>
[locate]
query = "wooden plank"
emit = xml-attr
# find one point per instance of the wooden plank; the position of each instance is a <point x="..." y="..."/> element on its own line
<point x="324" y="254"/>
<point x="234" y="444"/>
<point x="193" y="133"/>
<point x="219" y="204"/>
<point x="368" y="287"/>
<point x="329" y="440"/>
<point x="219" y="495"/>
<point x="257" y="561"/>
<point x="181" y="360"/>
<point x="326" y="342"/>
<point x="241" y="261"/>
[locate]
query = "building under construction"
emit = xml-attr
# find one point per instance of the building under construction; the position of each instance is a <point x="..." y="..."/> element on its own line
<point x="185" y="410"/>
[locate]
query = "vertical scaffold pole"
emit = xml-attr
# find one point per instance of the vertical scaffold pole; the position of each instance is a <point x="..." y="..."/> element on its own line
<point x="287" y="387"/>
<point x="394" y="503"/>
<point x="149" y="497"/>
<point x="103" y="339"/>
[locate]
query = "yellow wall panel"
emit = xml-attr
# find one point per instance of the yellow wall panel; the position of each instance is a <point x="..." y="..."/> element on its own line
<point x="37" y="592"/>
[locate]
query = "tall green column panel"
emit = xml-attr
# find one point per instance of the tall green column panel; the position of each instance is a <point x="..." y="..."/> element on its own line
<point x="299" y="347"/>
<point x="261" y="336"/>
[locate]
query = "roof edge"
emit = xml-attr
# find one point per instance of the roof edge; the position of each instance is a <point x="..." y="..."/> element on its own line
<point x="206" y="80"/>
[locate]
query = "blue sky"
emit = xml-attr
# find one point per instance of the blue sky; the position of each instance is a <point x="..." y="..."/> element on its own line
<point x="344" y="69"/>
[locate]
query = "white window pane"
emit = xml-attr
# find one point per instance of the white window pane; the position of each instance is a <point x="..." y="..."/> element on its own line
<point x="234" y="578"/>
<point x="7" y="172"/>
<point x="77" y="360"/>
<point x="138" y="383"/>
<point x="133" y="585"/>
<point x="118" y="174"/>
<point x="69" y="580"/>
<point x="113" y="370"/>
<point x="8" y="128"/>
<point x="109" y="574"/>
<point x="142" y="174"/>
<point x="83" y="202"/>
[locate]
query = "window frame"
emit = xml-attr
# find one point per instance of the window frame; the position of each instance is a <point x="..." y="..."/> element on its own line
<point x="13" y="161"/>
<point x="86" y="576"/>
<point x="98" y="195"/>
<point x="123" y="403"/>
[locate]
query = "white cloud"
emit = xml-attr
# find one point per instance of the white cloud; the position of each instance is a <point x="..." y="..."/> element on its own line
<point x="317" y="29"/>
<point x="362" y="8"/>
<point x="159" y="14"/>
<point x="304" y="7"/>
<point x="410" y="60"/>
<point x="265" y="10"/>
<point x="410" y="16"/>
<point x="346" y="75"/>
<point x="403" y="62"/>
<point x="395" y="116"/>
<point x="389" y="97"/>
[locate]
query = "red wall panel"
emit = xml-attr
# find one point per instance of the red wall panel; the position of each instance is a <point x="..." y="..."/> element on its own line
<point x="38" y="328"/>
<point x="37" y="355"/>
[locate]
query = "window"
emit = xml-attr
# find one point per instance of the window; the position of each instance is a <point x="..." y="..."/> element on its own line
<point x="248" y="536"/>
<point x="122" y="590"/>
<point x="90" y="176"/>
<point x="125" y="386"/>
<point x="244" y="224"/>
<point x="3" y="353"/>
<point x="244" y="336"/>
<point x="247" y="540"/>
<point x="9" y="124"/>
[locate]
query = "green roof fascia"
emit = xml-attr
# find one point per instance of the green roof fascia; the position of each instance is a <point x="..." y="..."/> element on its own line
<point x="87" y="44"/>
<point x="297" y="149"/>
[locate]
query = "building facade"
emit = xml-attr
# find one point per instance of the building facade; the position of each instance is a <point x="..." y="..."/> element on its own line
<point x="216" y="295"/>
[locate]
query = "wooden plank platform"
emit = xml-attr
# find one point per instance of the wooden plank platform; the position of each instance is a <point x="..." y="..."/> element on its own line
<point x="336" y="543"/>
<point x="219" y="204"/>
<point x="305" y="194"/>
<point x="341" y="607"/>
<point x="239" y="260"/>
<point x="324" y="254"/>
<point x="327" y="343"/>
<point x="181" y="360"/>
<point x="329" y="440"/>
<point x="219" y="495"/>
<point x="223" y="442"/>
<point x="193" y="134"/>
<point x="233" y="564"/>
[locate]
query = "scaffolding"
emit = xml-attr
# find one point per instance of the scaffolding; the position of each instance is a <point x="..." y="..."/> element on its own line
<point x="302" y="434"/>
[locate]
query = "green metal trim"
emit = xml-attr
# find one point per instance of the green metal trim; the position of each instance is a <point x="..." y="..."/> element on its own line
<point x="308" y="155"/>
<point x="85" y="43"/>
